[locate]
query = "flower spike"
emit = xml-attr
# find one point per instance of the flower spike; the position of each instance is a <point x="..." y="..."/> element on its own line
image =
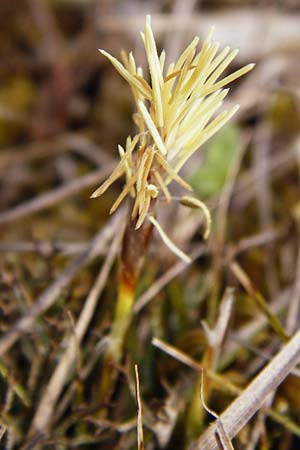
<point x="176" y="113"/>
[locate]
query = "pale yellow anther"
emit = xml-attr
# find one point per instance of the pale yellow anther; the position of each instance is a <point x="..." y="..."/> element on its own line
<point x="177" y="112"/>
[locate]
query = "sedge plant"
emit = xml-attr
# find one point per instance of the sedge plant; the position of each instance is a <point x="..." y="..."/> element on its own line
<point x="176" y="113"/>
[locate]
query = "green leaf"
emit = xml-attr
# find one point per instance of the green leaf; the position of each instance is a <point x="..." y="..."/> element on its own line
<point x="209" y="179"/>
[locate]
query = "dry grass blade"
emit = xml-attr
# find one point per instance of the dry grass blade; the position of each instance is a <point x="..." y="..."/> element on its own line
<point x="261" y="160"/>
<point x="51" y="198"/>
<point x="44" y="248"/>
<point x="3" y="429"/>
<point x="259" y="239"/>
<point x="140" y="434"/>
<point x="190" y="362"/>
<point x="256" y="295"/>
<point x="51" y="147"/>
<point x="215" y="336"/>
<point x="240" y="411"/>
<point x="15" y="387"/>
<point x="50" y="295"/>
<point x="251" y="329"/>
<point x="222" y="224"/>
<point x="224" y="316"/>
<point x="221" y="435"/>
<point x="54" y="388"/>
<point x="179" y="267"/>
<point x="294" y="307"/>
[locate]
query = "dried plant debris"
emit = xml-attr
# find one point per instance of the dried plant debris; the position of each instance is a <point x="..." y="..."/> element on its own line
<point x="196" y="274"/>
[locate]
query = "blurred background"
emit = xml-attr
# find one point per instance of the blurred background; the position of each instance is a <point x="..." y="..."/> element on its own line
<point x="63" y="111"/>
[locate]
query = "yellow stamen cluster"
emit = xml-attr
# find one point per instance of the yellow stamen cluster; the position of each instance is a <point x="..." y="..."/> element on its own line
<point x="176" y="113"/>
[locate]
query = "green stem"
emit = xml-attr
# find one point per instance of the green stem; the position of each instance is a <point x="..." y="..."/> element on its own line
<point x="134" y="247"/>
<point x="114" y="350"/>
<point x="122" y="320"/>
